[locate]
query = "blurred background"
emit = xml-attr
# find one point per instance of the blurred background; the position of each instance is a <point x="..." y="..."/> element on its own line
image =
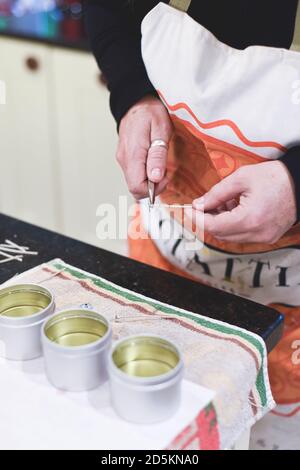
<point x="57" y="137"/>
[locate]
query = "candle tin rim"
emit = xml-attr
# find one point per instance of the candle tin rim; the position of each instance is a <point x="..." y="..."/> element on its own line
<point x="146" y="381"/>
<point x="88" y="313"/>
<point x="30" y="319"/>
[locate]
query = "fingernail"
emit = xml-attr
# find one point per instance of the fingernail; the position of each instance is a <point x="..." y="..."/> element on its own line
<point x="156" y="173"/>
<point x="199" y="204"/>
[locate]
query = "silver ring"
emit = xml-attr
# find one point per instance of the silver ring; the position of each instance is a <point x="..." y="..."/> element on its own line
<point x="159" y="143"/>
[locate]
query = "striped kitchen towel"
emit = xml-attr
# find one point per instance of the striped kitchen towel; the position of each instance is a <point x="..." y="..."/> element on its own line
<point x="221" y="357"/>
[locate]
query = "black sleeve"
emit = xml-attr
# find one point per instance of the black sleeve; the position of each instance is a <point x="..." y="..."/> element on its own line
<point x="292" y="161"/>
<point x="116" y="44"/>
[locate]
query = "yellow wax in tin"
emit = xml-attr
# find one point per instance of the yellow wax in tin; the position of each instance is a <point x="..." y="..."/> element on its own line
<point x="145" y="357"/>
<point x="20" y="302"/>
<point x="75" y="328"/>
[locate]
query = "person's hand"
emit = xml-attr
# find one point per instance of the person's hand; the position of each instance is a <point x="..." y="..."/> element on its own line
<point x="145" y="122"/>
<point x="255" y="204"/>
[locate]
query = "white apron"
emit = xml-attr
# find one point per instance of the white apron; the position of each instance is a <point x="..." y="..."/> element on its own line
<point x="245" y="107"/>
<point x="229" y="108"/>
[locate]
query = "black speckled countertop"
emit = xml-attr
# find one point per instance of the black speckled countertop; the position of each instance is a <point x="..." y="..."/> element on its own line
<point x="152" y="282"/>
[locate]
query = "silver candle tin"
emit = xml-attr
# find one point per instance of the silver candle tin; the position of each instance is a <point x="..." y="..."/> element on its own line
<point x="76" y="344"/>
<point x="145" y="378"/>
<point x="23" y="309"/>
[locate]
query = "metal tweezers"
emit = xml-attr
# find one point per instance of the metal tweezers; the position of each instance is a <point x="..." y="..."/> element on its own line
<point x="151" y="193"/>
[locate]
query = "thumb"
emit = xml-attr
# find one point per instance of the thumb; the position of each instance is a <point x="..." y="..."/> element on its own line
<point x="226" y="190"/>
<point x="157" y="154"/>
<point x="156" y="163"/>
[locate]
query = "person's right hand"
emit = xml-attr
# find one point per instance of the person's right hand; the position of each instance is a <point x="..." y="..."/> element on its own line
<point x="145" y="122"/>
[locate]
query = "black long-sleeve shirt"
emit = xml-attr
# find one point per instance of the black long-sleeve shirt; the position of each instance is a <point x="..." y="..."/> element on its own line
<point x="113" y="27"/>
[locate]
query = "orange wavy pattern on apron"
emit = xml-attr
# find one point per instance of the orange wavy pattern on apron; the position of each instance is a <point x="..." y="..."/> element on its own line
<point x="221" y="123"/>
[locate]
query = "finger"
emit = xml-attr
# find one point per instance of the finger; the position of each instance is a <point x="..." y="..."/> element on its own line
<point x="143" y="192"/>
<point x="140" y="191"/>
<point x="227" y="223"/>
<point x="135" y="174"/>
<point x="156" y="164"/>
<point x="194" y="221"/>
<point x="226" y="190"/>
<point x="246" y="237"/>
<point x="260" y="235"/>
<point x="230" y="205"/>
<point x="219" y="210"/>
<point x="157" y="156"/>
<point x="132" y="154"/>
<point x="238" y="238"/>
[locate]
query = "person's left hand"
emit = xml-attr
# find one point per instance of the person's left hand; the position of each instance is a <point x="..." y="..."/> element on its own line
<point x="259" y="202"/>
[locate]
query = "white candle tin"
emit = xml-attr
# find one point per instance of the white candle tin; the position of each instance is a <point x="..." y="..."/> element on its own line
<point x="23" y="309"/>
<point x="145" y="378"/>
<point x="76" y="344"/>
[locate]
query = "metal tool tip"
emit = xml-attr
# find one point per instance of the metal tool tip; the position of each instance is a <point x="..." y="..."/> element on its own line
<point x="151" y="192"/>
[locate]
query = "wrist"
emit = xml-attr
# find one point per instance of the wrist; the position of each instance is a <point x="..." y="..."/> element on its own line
<point x="146" y="101"/>
<point x="291" y="162"/>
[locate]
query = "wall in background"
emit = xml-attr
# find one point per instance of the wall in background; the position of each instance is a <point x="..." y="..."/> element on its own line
<point x="57" y="140"/>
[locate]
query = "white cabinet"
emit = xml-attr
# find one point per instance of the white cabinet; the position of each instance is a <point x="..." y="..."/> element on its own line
<point x="87" y="141"/>
<point x="57" y="140"/>
<point x="26" y="141"/>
